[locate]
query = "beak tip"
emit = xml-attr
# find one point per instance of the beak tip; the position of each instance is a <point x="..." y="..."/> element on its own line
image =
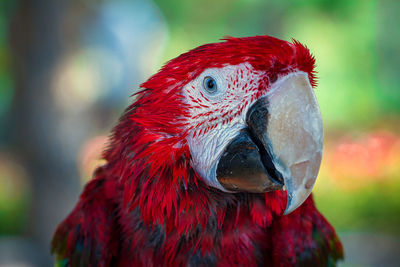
<point x="289" y="205"/>
<point x="288" y="210"/>
<point x="295" y="199"/>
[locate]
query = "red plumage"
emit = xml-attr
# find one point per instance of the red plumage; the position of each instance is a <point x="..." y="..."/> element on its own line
<point x="147" y="206"/>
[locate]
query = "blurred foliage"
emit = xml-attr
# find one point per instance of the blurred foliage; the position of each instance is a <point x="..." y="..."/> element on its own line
<point x="375" y="208"/>
<point x="14" y="197"/>
<point x="13" y="204"/>
<point x="359" y="182"/>
<point x="193" y="23"/>
<point x="388" y="43"/>
<point x="6" y="83"/>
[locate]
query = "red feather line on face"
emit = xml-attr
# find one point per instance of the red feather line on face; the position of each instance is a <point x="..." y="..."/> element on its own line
<point x="237" y="97"/>
<point x="149" y="153"/>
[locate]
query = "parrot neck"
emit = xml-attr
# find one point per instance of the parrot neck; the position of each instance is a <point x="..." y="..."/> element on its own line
<point x="157" y="181"/>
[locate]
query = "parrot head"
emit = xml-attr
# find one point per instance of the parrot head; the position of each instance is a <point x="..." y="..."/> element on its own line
<point x="242" y="114"/>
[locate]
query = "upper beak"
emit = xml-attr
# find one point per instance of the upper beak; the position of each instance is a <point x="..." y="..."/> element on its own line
<point x="282" y="144"/>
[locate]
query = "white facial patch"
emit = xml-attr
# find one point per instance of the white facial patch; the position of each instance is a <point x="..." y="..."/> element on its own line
<point x="217" y="117"/>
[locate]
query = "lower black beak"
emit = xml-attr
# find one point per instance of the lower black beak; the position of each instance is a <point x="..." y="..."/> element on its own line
<point x="246" y="164"/>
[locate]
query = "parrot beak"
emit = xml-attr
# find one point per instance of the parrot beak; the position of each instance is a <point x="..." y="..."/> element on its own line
<point x="281" y="147"/>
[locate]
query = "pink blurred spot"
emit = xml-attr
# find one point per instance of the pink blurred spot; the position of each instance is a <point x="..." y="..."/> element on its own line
<point x="90" y="156"/>
<point x="371" y="157"/>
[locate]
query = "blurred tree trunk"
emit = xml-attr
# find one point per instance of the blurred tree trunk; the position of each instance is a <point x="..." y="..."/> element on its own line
<point x="39" y="34"/>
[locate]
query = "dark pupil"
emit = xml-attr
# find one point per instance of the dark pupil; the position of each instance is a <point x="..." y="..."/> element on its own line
<point x="210" y="84"/>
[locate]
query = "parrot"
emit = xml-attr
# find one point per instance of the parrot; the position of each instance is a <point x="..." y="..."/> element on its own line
<point x="213" y="164"/>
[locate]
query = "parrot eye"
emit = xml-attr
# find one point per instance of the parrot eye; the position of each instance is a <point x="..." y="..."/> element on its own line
<point x="210" y="84"/>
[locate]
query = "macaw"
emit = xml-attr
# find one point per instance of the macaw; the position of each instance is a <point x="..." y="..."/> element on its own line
<point x="212" y="165"/>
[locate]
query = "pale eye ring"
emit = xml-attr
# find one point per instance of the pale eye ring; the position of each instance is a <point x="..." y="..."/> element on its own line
<point x="210" y="84"/>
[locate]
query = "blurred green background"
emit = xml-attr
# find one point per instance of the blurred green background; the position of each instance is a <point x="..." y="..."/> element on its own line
<point x="68" y="67"/>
